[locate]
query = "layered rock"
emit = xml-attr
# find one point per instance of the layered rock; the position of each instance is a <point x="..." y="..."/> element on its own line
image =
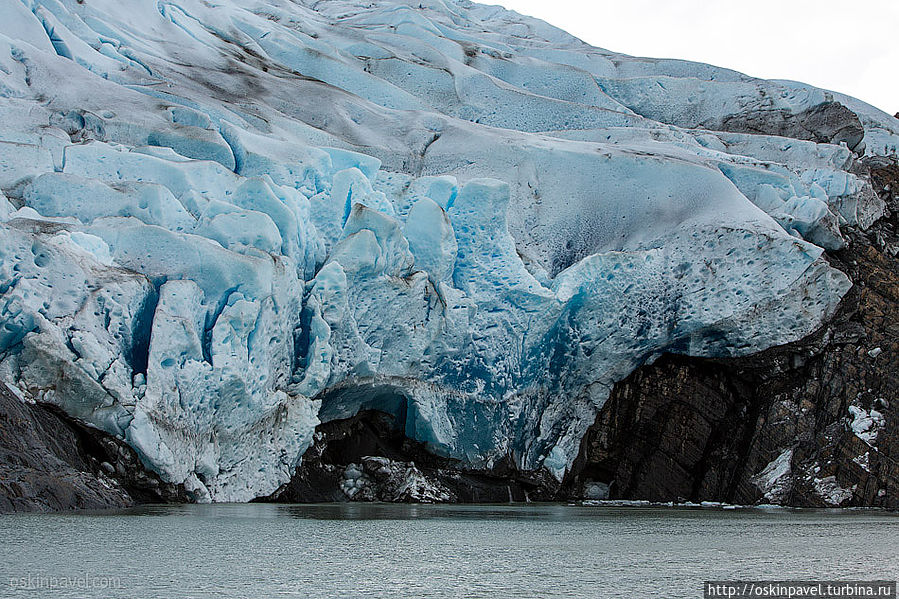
<point x="50" y="463"/>
<point x="808" y="424"/>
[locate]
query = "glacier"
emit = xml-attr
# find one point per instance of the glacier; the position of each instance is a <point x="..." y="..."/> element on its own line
<point x="225" y="223"/>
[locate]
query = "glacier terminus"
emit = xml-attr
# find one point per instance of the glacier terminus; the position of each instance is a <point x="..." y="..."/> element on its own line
<point x="225" y="223"/>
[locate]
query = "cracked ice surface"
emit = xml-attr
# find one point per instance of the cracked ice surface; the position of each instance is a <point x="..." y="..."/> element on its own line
<point x="222" y="225"/>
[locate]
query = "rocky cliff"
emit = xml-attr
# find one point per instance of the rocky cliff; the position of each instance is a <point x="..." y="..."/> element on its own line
<point x="811" y="423"/>
<point x="49" y="462"/>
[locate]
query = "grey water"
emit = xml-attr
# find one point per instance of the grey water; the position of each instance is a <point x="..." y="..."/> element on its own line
<point x="260" y="551"/>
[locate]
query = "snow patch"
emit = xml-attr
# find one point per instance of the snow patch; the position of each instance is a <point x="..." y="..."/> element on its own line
<point x="866" y="424"/>
<point x="775" y="479"/>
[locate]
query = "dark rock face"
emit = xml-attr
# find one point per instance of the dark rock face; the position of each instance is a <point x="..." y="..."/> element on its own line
<point x="830" y="122"/>
<point x="44" y="466"/>
<point x="50" y="463"/>
<point x="369" y="458"/>
<point x="813" y="423"/>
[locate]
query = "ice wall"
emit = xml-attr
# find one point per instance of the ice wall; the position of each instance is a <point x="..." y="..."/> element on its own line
<point x="222" y="225"/>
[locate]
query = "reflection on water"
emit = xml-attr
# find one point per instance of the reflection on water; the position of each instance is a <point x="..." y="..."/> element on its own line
<point x="385" y="550"/>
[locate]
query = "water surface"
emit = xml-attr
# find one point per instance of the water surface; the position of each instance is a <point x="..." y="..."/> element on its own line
<point x="260" y="551"/>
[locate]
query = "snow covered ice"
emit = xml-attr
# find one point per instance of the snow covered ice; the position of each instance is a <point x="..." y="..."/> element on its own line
<point x="222" y="225"/>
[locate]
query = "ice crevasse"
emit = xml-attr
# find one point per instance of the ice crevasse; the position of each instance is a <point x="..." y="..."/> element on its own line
<point x="221" y="225"/>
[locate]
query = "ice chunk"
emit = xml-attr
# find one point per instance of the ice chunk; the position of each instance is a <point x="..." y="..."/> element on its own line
<point x="432" y="240"/>
<point x="811" y="218"/>
<point x="19" y="161"/>
<point x="115" y="164"/>
<point x="488" y="267"/>
<point x="90" y="244"/>
<point x="831" y="492"/>
<point x="237" y="228"/>
<point x="61" y="194"/>
<point x="866" y="424"/>
<point x="345" y="159"/>
<point x="393" y="255"/>
<point x="774" y="481"/>
<point x="6" y="209"/>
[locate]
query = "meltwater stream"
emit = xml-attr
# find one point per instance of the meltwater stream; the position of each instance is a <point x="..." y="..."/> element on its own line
<point x="261" y="551"/>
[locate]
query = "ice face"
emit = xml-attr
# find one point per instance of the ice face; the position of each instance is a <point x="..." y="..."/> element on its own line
<point x="222" y="225"/>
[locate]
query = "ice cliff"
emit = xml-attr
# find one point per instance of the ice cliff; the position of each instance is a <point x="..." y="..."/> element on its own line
<point x="224" y="223"/>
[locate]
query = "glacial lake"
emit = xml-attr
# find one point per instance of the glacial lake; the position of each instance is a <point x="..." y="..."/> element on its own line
<point x="260" y="551"/>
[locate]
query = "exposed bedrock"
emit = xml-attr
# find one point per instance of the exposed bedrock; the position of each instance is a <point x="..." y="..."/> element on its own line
<point x="368" y="457"/>
<point x="812" y="423"/>
<point x="828" y="122"/>
<point x="48" y="462"/>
